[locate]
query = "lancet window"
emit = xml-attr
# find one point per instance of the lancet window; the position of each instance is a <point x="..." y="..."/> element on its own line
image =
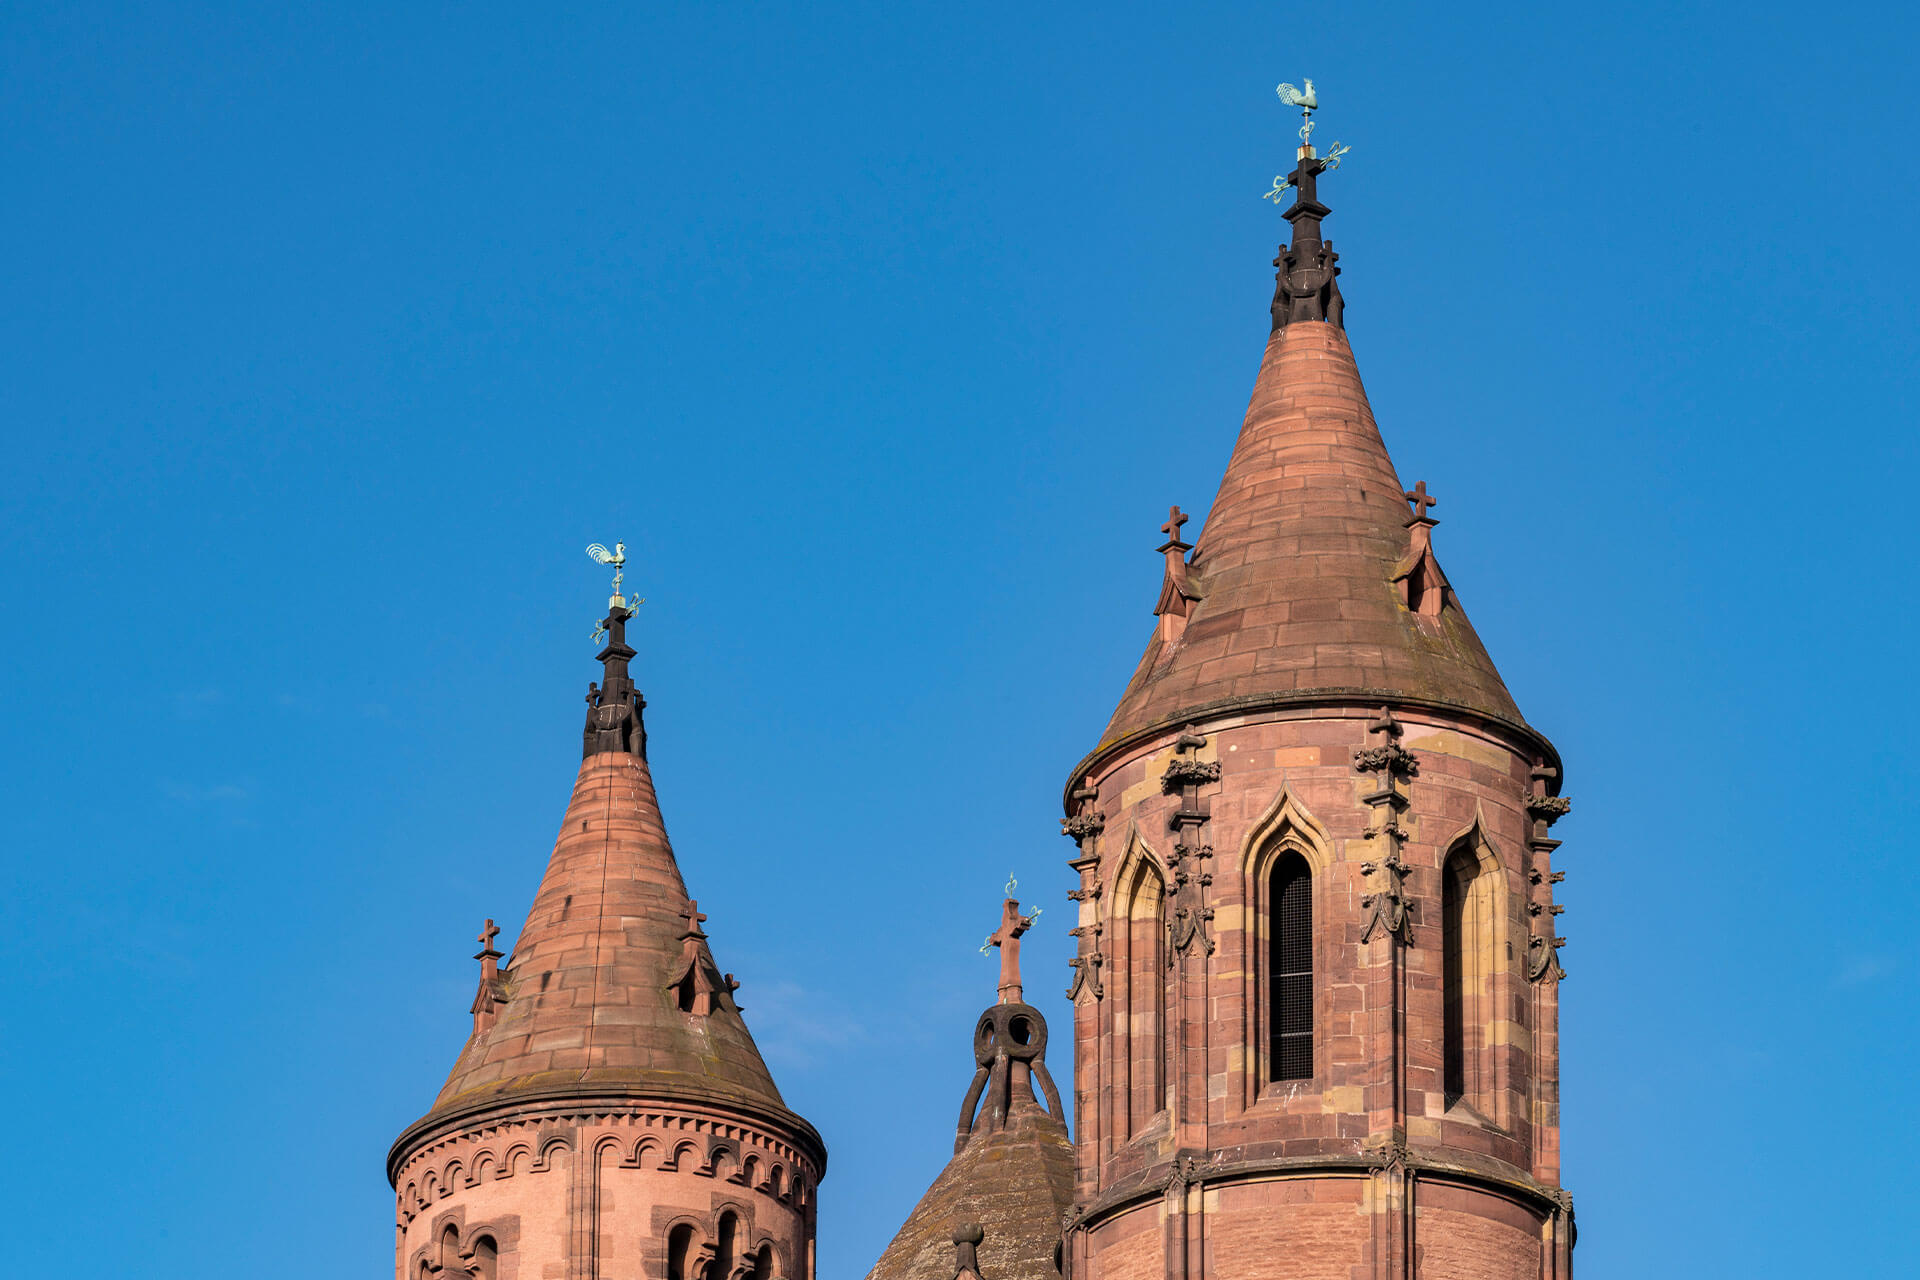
<point x="1290" y="968"/>
<point x="1470" y="907"/>
<point x="1145" y="1002"/>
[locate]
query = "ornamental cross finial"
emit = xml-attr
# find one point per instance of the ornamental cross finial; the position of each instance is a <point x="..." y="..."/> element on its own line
<point x="1007" y="938"/>
<point x="618" y="559"/>
<point x="488" y="933"/>
<point x="1175" y="518"/>
<point x="1301" y="178"/>
<point x="1420" y="499"/>
<point x="693" y="918"/>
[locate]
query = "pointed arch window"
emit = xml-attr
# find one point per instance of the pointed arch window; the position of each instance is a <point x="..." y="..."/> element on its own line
<point x="1290" y="968"/>
<point x="1145" y="1003"/>
<point x="1471" y="965"/>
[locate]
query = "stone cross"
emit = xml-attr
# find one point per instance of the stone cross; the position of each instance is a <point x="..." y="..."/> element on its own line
<point x="693" y="918"/>
<point x="1175" y="518"/>
<point x="1421" y="501"/>
<point x="489" y="958"/>
<point x="1007" y="938"/>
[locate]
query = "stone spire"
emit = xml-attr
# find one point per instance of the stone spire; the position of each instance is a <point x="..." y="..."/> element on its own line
<point x="995" y="1210"/>
<point x="611" y="1026"/>
<point x="1309" y="577"/>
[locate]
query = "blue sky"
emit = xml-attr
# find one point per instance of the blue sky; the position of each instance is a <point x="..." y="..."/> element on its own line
<point x="884" y="335"/>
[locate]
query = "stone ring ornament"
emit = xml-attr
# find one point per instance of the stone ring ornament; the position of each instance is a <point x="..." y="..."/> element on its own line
<point x="1017" y="1030"/>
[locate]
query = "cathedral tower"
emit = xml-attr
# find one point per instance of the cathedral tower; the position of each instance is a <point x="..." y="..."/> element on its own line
<point x="610" y="1115"/>
<point x="1315" y="1000"/>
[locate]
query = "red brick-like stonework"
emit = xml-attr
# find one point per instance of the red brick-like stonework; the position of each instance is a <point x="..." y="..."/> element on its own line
<point x="1256" y="732"/>
<point x="610" y="1101"/>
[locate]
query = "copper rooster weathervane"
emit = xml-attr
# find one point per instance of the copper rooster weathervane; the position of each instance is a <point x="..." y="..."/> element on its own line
<point x="618" y="559"/>
<point x="1308" y="102"/>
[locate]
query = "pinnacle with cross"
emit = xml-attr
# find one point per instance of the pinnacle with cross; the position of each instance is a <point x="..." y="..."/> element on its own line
<point x="1420" y="499"/>
<point x="694" y="920"/>
<point x="488" y="932"/>
<point x="1007" y="938"/>
<point x="1175" y="518"/>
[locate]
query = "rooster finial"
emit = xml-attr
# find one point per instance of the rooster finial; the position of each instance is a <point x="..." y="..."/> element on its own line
<point x="618" y="559"/>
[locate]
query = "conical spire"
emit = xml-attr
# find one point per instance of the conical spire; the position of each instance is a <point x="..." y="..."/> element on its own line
<point x="1311" y="577"/>
<point x="611" y="986"/>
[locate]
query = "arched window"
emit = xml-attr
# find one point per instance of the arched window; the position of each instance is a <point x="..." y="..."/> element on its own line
<point x="450" y="1249"/>
<point x="679" y="1251"/>
<point x="1290" y="968"/>
<point x="762" y="1263"/>
<point x="486" y="1259"/>
<point x="1146" y="996"/>
<point x="725" y="1246"/>
<point x="1469" y="962"/>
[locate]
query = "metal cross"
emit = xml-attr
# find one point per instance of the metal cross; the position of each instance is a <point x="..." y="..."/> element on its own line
<point x="1420" y="500"/>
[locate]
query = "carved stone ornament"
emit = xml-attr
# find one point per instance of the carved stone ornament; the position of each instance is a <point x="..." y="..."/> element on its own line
<point x="1185" y="770"/>
<point x="1083" y="825"/>
<point x="1086" y="976"/>
<point x="1543" y="958"/>
<point x="1549" y="809"/>
<point x="1392" y="757"/>
<point x="1387" y="907"/>
<point x="1187" y="930"/>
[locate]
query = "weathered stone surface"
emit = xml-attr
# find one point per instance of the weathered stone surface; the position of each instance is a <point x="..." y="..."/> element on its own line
<point x="1295" y="565"/>
<point x="1016" y="1182"/>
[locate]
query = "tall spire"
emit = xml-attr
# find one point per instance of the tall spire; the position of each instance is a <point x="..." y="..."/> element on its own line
<point x="611" y="985"/>
<point x="1311" y="577"/>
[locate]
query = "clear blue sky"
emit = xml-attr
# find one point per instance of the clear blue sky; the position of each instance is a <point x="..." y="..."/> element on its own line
<point x="884" y="335"/>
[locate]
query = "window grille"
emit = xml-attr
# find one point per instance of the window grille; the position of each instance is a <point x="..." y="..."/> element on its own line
<point x="1291" y="903"/>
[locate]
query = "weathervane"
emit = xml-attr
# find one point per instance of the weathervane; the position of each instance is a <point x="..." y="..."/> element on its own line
<point x="618" y="559"/>
<point x="1308" y="102"/>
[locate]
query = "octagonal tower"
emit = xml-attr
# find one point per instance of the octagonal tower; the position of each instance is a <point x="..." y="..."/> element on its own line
<point x="1316" y="994"/>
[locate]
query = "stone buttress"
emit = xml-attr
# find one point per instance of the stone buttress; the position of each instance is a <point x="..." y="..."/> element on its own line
<point x="609" y="1116"/>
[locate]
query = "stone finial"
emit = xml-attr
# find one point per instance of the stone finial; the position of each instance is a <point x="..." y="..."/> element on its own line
<point x="1007" y="938"/>
<point x="493" y="989"/>
<point x="1422" y="586"/>
<point x="966" y="1250"/>
<point x="1420" y="500"/>
<point x="1177" y="596"/>
<point x="488" y="957"/>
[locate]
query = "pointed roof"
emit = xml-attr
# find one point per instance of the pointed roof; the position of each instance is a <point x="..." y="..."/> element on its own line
<point x="1311" y="575"/>
<point x="1002" y="1197"/>
<point x="612" y="988"/>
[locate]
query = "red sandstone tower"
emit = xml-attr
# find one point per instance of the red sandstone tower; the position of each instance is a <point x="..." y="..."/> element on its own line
<point x="1316" y="995"/>
<point x="610" y="1115"/>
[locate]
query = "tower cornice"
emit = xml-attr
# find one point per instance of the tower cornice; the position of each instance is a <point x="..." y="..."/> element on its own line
<point x="575" y="1097"/>
<point x="1357" y="704"/>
